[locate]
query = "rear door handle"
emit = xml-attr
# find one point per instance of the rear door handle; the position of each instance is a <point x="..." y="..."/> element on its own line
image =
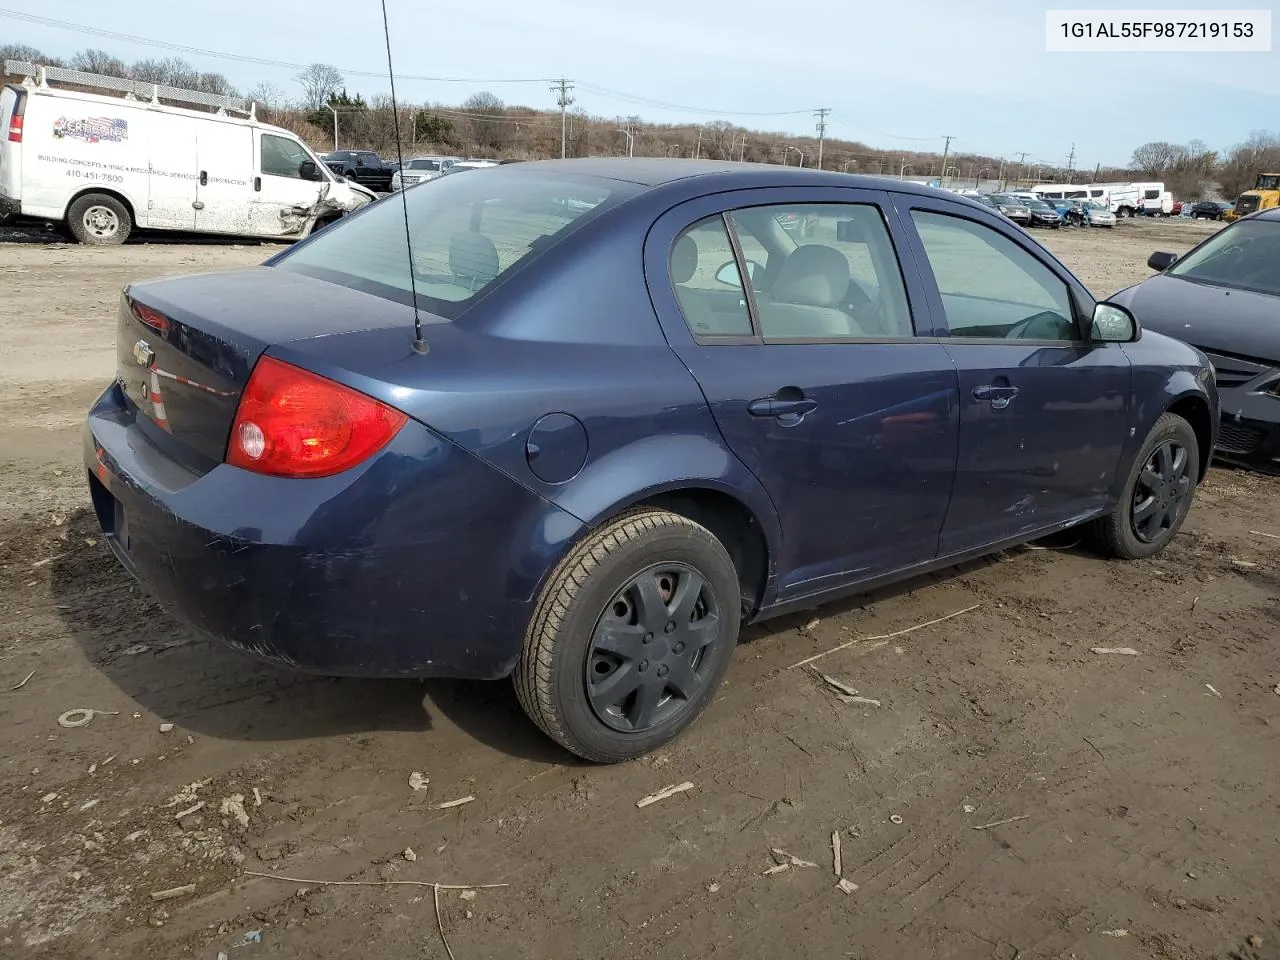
<point x="257" y="183"/>
<point x="771" y="407"/>
<point x="204" y="178"/>
<point x="998" y="396"/>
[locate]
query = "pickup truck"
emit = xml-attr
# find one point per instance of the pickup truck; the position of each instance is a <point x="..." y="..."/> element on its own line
<point x="363" y="166"/>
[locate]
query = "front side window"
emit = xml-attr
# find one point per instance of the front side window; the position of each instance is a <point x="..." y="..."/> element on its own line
<point x="991" y="286"/>
<point x="282" y="157"/>
<point x="836" y="276"/>
<point x="466" y="233"/>
<point x="1243" y="257"/>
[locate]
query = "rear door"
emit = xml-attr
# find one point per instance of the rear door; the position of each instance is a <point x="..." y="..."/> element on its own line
<point x="1044" y="414"/>
<point x="13" y="101"/>
<point x="173" y="170"/>
<point x="282" y="200"/>
<point x="822" y="374"/>
<point x="225" y="186"/>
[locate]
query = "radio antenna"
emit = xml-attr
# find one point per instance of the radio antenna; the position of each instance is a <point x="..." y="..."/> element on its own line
<point x="419" y="345"/>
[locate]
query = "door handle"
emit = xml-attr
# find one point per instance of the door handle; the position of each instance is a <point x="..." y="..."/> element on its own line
<point x="773" y="407"/>
<point x="257" y="183"/>
<point x="999" y="396"/>
<point x="204" y="178"/>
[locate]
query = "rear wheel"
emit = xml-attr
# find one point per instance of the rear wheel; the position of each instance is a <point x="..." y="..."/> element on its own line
<point x="99" y="219"/>
<point x="631" y="637"/>
<point x="1156" y="496"/>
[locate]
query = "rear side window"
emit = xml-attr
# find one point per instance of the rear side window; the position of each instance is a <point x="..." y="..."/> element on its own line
<point x="466" y="233"/>
<point x="990" y="286"/>
<point x="707" y="282"/>
<point x="1151" y="195"/>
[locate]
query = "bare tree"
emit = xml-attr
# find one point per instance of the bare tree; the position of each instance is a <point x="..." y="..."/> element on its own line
<point x="1155" y="158"/>
<point x="266" y="93"/>
<point x="486" y="113"/>
<point x="20" y="51"/>
<point x="319" y="82"/>
<point x="1259" y="154"/>
<point x="99" y="61"/>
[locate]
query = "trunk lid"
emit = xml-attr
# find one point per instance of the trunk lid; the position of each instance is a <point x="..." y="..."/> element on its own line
<point x="185" y="346"/>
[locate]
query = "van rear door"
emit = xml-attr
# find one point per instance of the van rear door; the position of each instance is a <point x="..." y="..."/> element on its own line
<point x="13" y="102"/>
<point x="224" y="190"/>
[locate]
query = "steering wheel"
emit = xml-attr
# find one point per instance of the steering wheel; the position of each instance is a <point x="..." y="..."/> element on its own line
<point x="1052" y="323"/>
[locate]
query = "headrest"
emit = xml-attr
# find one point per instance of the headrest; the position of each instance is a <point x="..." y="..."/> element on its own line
<point x="814" y="276"/>
<point x="472" y="256"/>
<point x="684" y="260"/>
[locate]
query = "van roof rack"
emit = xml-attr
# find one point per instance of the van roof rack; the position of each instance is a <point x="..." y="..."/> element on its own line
<point x="132" y="89"/>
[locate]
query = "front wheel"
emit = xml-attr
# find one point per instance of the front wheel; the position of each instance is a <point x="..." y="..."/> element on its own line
<point x="1156" y="496"/>
<point x="631" y="637"/>
<point x="99" y="219"/>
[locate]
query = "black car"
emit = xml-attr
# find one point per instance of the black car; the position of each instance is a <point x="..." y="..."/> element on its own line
<point x="1210" y="209"/>
<point x="363" y="166"/>
<point x="1224" y="297"/>
<point x="1044" y="215"/>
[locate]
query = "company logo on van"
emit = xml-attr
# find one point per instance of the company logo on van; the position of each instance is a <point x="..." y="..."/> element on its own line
<point x="92" y="129"/>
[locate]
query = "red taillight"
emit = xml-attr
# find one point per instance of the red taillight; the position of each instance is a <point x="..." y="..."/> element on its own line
<point x="15" y="129"/>
<point x="292" y="423"/>
<point x="152" y="318"/>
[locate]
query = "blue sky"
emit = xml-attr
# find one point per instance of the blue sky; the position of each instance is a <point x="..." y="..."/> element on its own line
<point x="892" y="78"/>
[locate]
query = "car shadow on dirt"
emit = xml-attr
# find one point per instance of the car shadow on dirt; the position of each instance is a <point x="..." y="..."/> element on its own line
<point x="177" y="674"/>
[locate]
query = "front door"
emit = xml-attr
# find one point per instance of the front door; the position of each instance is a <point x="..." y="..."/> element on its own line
<point x="282" y="200"/>
<point x="820" y="372"/>
<point x="1044" y="414"/>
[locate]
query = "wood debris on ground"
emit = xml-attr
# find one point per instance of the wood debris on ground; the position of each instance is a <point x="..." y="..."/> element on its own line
<point x="417" y="781"/>
<point x="174" y="892"/>
<point x="1214" y="690"/>
<point x="449" y="804"/>
<point x="23" y="682"/>
<point x="664" y="793"/>
<point x="1001" y="823"/>
<point x="848" y="886"/>
<point x="1122" y="651"/>
<point x="883" y="636"/>
<point x="836" y="864"/>
<point x="789" y="858"/>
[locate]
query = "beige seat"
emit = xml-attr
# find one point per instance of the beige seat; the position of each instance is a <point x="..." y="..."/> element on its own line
<point x="805" y="299"/>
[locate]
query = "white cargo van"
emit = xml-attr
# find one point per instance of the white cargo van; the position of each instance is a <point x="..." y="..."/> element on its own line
<point x="106" y="164"/>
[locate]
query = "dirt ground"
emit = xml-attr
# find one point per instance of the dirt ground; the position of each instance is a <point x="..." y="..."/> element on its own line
<point x="1142" y="789"/>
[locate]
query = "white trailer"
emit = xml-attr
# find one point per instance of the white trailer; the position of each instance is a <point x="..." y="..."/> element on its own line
<point x="107" y="164"/>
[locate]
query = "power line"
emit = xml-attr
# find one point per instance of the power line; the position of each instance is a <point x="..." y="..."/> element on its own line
<point x="240" y="58"/>
<point x="682" y="108"/>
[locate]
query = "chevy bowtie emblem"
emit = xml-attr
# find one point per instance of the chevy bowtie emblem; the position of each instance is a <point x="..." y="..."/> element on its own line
<point x="143" y="354"/>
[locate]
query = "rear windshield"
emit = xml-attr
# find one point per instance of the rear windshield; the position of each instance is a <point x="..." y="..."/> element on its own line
<point x="423" y="164"/>
<point x="466" y="233"/>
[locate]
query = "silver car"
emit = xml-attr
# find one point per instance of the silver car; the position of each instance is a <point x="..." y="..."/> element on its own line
<point x="418" y="169"/>
<point x="1013" y="208"/>
<point x="1097" y="215"/>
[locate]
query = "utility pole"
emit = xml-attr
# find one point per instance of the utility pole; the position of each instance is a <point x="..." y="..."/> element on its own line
<point x="742" y="150"/>
<point x="335" y="125"/>
<point x="1000" y="176"/>
<point x="1022" y="162"/>
<point x="821" y="114"/>
<point x="697" y="151"/>
<point x="1071" y="164"/>
<point x="561" y="89"/>
<point x="631" y="140"/>
<point x="946" y="148"/>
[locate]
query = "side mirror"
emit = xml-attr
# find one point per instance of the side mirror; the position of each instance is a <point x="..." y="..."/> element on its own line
<point x="307" y="170"/>
<point x="728" y="273"/>
<point x="1161" y="261"/>
<point x="1113" y="324"/>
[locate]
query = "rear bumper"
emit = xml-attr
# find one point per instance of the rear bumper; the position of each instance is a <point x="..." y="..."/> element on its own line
<point x="424" y="561"/>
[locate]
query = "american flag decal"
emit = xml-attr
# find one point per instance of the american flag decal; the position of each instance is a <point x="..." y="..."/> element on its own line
<point x="92" y="129"/>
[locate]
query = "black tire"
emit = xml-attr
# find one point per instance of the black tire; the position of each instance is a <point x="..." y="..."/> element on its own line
<point x="99" y="219"/>
<point x="585" y="590"/>
<point x="1115" y="535"/>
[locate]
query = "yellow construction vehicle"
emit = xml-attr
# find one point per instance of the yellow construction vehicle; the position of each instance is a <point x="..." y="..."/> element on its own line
<point x="1264" y="195"/>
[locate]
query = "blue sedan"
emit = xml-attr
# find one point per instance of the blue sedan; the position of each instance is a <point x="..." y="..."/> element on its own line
<point x="542" y="427"/>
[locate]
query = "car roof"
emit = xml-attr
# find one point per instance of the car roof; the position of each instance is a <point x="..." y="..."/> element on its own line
<point x="657" y="171"/>
<point x="1271" y="213"/>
